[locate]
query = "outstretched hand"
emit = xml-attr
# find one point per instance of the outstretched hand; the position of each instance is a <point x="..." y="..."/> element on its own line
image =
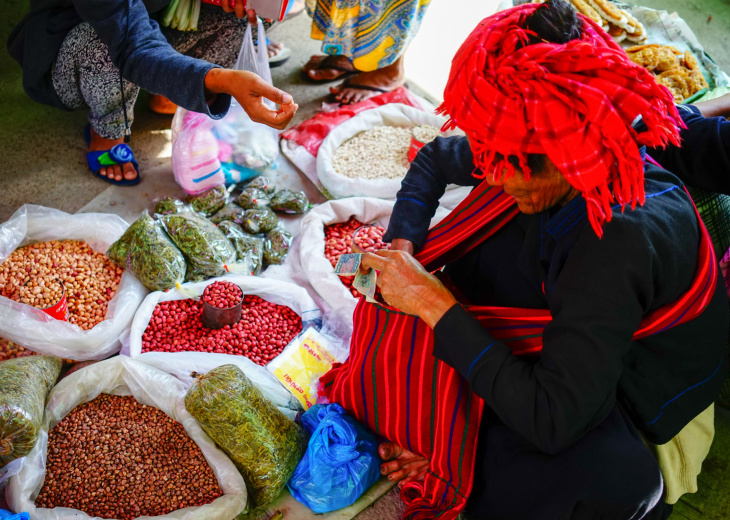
<point x="250" y="91"/>
<point x="407" y="286"/>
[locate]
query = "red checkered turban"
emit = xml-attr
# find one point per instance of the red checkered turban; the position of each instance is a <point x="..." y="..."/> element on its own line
<point x="573" y="102"/>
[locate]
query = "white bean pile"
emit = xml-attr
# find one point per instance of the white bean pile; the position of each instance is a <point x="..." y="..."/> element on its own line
<point x="378" y="153"/>
<point x="425" y="133"/>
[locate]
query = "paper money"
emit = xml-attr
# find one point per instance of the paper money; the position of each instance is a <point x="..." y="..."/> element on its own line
<point x="348" y="264"/>
<point x="365" y="284"/>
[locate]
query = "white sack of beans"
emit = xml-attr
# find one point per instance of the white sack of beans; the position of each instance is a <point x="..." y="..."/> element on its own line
<point x="340" y="303"/>
<point x="149" y="386"/>
<point x="181" y="364"/>
<point x="396" y="115"/>
<point x="34" y="329"/>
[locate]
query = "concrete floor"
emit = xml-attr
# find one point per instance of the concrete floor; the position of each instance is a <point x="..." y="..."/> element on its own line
<point x="42" y="150"/>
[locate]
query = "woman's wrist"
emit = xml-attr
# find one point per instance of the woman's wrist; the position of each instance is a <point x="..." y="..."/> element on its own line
<point x="436" y="306"/>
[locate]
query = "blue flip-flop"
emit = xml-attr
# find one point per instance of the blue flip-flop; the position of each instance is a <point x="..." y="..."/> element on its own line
<point x="119" y="154"/>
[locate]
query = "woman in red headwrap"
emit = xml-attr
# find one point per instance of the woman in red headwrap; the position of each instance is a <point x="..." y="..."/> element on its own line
<point x="606" y="249"/>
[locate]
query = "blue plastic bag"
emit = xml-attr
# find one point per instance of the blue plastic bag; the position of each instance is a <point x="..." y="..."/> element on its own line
<point x="341" y="461"/>
<point x="7" y="515"/>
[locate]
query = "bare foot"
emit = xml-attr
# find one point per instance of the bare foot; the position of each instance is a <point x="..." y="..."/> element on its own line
<point x="400" y="464"/>
<point x="313" y="71"/>
<point x="274" y="48"/>
<point x="116" y="172"/>
<point x="161" y="105"/>
<point x="388" y="78"/>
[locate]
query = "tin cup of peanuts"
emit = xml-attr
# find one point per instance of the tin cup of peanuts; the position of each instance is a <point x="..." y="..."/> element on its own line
<point x="222" y="305"/>
<point x="368" y="239"/>
<point x="46" y="294"/>
<point x="420" y="136"/>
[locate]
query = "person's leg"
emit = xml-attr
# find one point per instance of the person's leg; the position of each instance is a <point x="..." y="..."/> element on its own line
<point x="367" y="84"/>
<point x="84" y="76"/>
<point x="608" y="474"/>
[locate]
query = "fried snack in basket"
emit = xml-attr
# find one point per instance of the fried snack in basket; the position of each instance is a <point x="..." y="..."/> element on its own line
<point x="584" y="8"/>
<point x="679" y="72"/>
<point x="609" y="11"/>
<point x="616" y="32"/>
<point x="644" y="55"/>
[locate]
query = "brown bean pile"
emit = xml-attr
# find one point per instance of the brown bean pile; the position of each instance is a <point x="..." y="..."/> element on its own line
<point x="41" y="292"/>
<point x="90" y="278"/>
<point x="116" y="458"/>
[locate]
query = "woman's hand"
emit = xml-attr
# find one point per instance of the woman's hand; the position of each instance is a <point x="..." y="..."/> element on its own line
<point x="406" y="285"/>
<point x="250" y="91"/>
<point x="402" y="244"/>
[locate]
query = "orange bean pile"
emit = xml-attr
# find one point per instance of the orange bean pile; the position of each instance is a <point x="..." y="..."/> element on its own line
<point x="10" y="350"/>
<point x="90" y="278"/>
<point x="116" y="458"/>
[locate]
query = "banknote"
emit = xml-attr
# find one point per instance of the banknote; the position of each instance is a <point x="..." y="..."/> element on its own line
<point x="348" y="264"/>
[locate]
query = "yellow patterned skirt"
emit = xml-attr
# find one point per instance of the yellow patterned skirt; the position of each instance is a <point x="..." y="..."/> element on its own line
<point x="372" y="33"/>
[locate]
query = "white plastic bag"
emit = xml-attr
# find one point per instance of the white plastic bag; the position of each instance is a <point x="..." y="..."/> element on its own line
<point x="392" y="114"/>
<point x="181" y="364"/>
<point x="340" y="302"/>
<point x="123" y="376"/>
<point x="33" y="328"/>
<point x="208" y="153"/>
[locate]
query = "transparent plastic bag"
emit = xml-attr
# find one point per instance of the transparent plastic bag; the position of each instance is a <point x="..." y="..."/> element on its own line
<point x="252" y="147"/>
<point x="260" y="220"/>
<point x="149" y="386"/>
<point x="341" y="461"/>
<point x="206" y="250"/>
<point x="249" y="248"/>
<point x="33" y="328"/>
<point x="147" y="251"/>
<point x="264" y="444"/>
<point x="288" y="201"/>
<point x="252" y="198"/>
<point x="209" y="201"/>
<point x="208" y="153"/>
<point x="276" y="245"/>
<point x="24" y="386"/>
<point x="231" y="212"/>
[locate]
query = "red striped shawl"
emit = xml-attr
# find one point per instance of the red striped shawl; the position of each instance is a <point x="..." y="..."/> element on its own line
<point x="392" y="382"/>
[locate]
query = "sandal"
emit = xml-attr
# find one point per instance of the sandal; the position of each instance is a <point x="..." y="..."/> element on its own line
<point x="280" y="57"/>
<point x="329" y="63"/>
<point x="118" y="154"/>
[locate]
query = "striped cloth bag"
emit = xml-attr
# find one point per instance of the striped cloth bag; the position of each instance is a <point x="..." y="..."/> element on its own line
<point x="394" y="384"/>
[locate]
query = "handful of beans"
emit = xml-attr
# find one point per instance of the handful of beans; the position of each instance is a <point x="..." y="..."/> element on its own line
<point x="89" y="277"/>
<point x="222" y="295"/>
<point x="339" y="239"/>
<point x="262" y="333"/>
<point x="41" y="293"/>
<point x="113" y="457"/>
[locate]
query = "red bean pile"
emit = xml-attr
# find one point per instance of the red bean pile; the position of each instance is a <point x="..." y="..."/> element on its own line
<point x="338" y="240"/>
<point x="90" y="278"/>
<point x="10" y="350"/>
<point x="222" y="295"/>
<point x="370" y="238"/>
<point x="116" y="458"/>
<point x="263" y="332"/>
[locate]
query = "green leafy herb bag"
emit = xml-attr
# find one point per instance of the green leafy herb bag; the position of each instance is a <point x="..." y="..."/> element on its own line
<point x="24" y="386"/>
<point x="210" y="201"/>
<point x="261" y="441"/>
<point x="288" y="201"/>
<point x="262" y="183"/>
<point x="147" y="251"/>
<point x="205" y="247"/>
<point x="276" y="245"/>
<point x="249" y="249"/>
<point x="230" y="212"/>
<point x="259" y="220"/>
<point x="168" y="206"/>
<point x="252" y="198"/>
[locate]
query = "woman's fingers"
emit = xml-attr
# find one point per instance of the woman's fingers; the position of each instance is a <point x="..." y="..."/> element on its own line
<point x="400" y="463"/>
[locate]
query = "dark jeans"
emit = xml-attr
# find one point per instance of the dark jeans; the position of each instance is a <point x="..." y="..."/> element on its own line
<point x="608" y="474"/>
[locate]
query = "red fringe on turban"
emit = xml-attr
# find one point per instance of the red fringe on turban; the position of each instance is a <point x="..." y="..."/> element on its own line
<point x="573" y="102"/>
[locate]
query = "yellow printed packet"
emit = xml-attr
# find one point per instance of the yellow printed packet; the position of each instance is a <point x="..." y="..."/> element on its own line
<point x="302" y="363"/>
